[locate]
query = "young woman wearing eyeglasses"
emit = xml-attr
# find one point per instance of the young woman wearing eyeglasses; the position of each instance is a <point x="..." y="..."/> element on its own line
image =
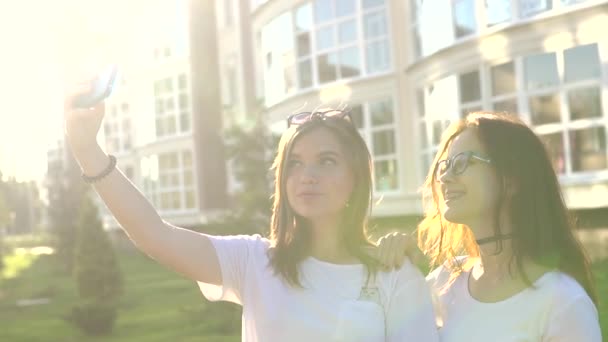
<point x="496" y="226"/>
<point x="312" y="279"/>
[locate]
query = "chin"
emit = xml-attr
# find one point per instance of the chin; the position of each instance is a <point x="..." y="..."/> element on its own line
<point x="453" y="216"/>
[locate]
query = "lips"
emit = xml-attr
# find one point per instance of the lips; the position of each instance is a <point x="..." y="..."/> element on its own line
<point x="451" y="195"/>
<point x="309" y="194"/>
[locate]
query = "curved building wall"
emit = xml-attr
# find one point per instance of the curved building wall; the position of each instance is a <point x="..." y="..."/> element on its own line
<point x="409" y="68"/>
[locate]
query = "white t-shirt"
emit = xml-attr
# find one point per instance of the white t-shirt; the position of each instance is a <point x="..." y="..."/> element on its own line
<point x="328" y="307"/>
<point x="557" y="309"/>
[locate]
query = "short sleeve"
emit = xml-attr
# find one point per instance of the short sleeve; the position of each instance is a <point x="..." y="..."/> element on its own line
<point x="577" y="321"/>
<point x="234" y="254"/>
<point x="410" y="311"/>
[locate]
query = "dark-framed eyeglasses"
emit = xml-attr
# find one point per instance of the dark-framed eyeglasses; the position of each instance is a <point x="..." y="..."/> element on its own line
<point x="301" y="118"/>
<point x="458" y="163"/>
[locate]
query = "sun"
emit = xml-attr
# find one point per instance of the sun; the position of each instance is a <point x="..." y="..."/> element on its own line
<point x="44" y="51"/>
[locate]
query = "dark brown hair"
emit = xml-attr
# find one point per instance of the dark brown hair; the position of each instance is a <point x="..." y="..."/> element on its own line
<point x="542" y="227"/>
<point x="290" y="236"/>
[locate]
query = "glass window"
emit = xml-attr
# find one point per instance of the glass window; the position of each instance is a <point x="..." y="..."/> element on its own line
<point x="349" y="62"/>
<point x="555" y="146"/>
<point x="437" y="131"/>
<point x="545" y="109"/>
<point x="424" y="137"/>
<point x="530" y="7"/>
<point x="169" y="104"/>
<point x="384" y="142"/>
<point x="164" y="200"/>
<point x="503" y="79"/>
<point x="323" y="11"/>
<point x="588" y="149"/>
<point x="182" y="81"/>
<point x="303" y="19"/>
<point x="190" y="201"/>
<point x="188" y="180"/>
<point x="385" y="175"/>
<point x="305" y="73"/>
<point x="187" y="158"/>
<point x="417" y="43"/>
<point x="356" y="113"/>
<point x="470" y="88"/>
<point x="325" y="38"/>
<point x="345" y="7"/>
<point x="381" y="113"/>
<point x="327" y="67"/>
<point x="541" y="71"/>
<point x="170" y="124"/>
<point x="303" y="44"/>
<point x="377" y="56"/>
<point x="572" y="2"/>
<point x="184" y="121"/>
<point x="506" y="106"/>
<point x="585" y="103"/>
<point x="582" y="63"/>
<point x="347" y="31"/>
<point x="372" y="3"/>
<point x="498" y="11"/>
<point x="183" y="101"/>
<point x="420" y="102"/>
<point x="374" y="25"/>
<point x="465" y="22"/>
<point x="415" y="9"/>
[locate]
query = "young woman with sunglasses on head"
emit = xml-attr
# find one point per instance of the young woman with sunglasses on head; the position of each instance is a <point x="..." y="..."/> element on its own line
<point x="311" y="280"/>
<point x="509" y="265"/>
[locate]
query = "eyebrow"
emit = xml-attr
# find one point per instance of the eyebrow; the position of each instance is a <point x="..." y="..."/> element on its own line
<point x="329" y="153"/>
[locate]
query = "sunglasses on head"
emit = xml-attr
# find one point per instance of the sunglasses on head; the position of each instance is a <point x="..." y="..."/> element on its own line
<point x="301" y="118"/>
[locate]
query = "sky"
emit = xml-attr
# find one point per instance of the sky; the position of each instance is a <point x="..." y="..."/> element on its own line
<point x="47" y="45"/>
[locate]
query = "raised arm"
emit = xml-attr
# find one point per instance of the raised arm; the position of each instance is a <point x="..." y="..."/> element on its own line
<point x="189" y="253"/>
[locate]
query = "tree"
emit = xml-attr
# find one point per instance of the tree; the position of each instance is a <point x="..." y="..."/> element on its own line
<point x="250" y="152"/>
<point x="4" y="221"/>
<point x="98" y="277"/>
<point x="66" y="191"/>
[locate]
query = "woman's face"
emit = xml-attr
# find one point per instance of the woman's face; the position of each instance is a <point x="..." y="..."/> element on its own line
<point x="470" y="197"/>
<point x="319" y="176"/>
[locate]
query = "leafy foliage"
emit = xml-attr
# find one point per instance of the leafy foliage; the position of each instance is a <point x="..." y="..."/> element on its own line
<point x="98" y="278"/>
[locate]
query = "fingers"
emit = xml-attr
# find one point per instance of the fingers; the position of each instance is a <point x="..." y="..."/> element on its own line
<point x="391" y="250"/>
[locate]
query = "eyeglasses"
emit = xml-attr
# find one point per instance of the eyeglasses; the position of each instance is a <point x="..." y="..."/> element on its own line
<point x="301" y="118"/>
<point x="458" y="163"/>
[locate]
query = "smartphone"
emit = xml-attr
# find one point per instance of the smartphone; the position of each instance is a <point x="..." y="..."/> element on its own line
<point x="100" y="88"/>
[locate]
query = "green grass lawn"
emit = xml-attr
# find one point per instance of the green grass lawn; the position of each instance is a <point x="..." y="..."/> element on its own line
<point x="157" y="305"/>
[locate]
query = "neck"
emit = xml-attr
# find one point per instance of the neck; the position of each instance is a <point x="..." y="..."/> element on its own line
<point x="327" y="244"/>
<point x="495" y="252"/>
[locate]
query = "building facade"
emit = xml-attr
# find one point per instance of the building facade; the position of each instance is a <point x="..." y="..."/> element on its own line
<point x="409" y="68"/>
<point x="163" y="121"/>
<point x="406" y="69"/>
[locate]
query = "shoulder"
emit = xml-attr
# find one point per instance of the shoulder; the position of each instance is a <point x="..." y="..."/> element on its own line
<point x="242" y="244"/>
<point x="571" y="314"/>
<point x="562" y="289"/>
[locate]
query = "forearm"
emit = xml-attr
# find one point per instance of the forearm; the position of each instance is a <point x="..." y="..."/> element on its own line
<point x="130" y="208"/>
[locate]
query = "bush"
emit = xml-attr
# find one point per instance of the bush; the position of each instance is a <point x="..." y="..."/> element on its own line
<point x="98" y="278"/>
<point x="93" y="318"/>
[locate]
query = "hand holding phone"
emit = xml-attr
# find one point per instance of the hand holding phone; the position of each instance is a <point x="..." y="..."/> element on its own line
<point x="98" y="89"/>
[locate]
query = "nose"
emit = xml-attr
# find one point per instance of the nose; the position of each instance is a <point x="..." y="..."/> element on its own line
<point x="446" y="177"/>
<point x="309" y="175"/>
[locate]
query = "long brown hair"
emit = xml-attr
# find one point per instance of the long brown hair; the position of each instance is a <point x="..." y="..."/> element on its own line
<point x="543" y="229"/>
<point x="290" y="236"/>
